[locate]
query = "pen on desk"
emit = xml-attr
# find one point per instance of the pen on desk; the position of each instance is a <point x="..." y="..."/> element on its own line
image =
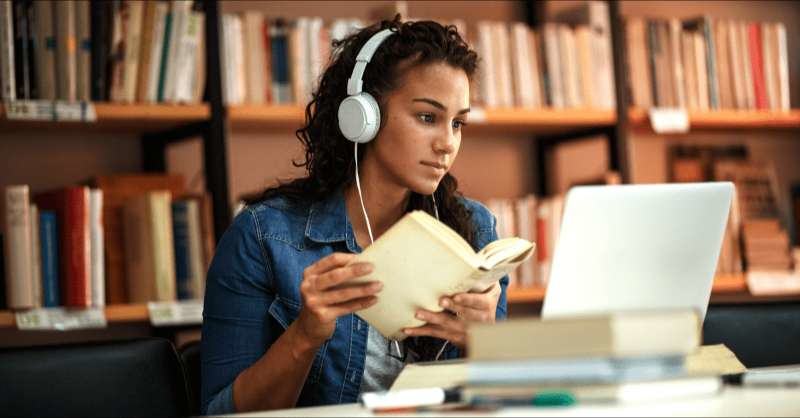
<point x="544" y="398"/>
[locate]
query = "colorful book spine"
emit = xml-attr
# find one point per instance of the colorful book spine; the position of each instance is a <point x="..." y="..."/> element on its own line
<point x="48" y="241"/>
<point x="180" y="228"/>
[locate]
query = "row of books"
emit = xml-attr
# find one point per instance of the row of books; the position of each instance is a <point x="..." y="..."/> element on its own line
<point x="123" y="239"/>
<point x="755" y="237"/>
<point x="120" y="51"/>
<point x="276" y="61"/>
<point x="534" y="219"/>
<point x="565" y="65"/>
<point x="708" y="64"/>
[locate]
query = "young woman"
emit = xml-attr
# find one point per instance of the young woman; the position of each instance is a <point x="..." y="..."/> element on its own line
<point x="277" y="331"/>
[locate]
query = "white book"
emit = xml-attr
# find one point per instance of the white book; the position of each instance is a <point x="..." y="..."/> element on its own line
<point x="133" y="38"/>
<point x="505" y="86"/>
<point x="19" y="284"/>
<point x="569" y="67"/>
<point x="36" y="259"/>
<point x="520" y="65"/>
<point x="196" y="263"/>
<point x="187" y="57"/>
<point x="744" y="62"/>
<point x="487" y="80"/>
<point x="690" y="74"/>
<point x="180" y="16"/>
<point x="534" y="69"/>
<point x="768" y="64"/>
<point x="554" y="71"/>
<point x="66" y="57"/>
<point x="603" y="55"/>
<point x="783" y="67"/>
<point x="737" y="70"/>
<point x="97" y="248"/>
<point x="255" y="60"/>
<point x="430" y="250"/>
<point x="702" y="75"/>
<point x="315" y="58"/>
<point x="585" y="66"/>
<point x="7" y="75"/>
<point x="677" y="63"/>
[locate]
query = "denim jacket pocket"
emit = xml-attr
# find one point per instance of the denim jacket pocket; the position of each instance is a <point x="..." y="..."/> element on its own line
<point x="285" y="311"/>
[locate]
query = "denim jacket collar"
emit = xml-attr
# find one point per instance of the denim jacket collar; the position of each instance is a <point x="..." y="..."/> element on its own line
<point x="328" y="222"/>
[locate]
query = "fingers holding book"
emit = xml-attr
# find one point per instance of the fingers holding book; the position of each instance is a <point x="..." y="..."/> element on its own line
<point x="328" y="292"/>
<point x="444" y="325"/>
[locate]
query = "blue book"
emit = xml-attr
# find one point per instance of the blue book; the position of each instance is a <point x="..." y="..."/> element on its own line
<point x="48" y="242"/>
<point x="180" y="231"/>
<point x="279" y="49"/>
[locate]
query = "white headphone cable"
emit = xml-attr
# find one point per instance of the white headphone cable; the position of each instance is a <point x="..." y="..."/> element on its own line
<point x="372" y="240"/>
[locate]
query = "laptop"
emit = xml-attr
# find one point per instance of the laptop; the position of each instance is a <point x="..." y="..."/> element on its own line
<point x="637" y="247"/>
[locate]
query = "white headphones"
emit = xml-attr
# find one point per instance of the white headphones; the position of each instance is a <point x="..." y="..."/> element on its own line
<point x="359" y="114"/>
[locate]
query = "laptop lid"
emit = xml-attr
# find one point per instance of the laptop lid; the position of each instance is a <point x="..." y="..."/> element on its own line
<point x="636" y="247"/>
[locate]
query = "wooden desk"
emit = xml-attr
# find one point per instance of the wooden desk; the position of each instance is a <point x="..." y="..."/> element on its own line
<point x="734" y="401"/>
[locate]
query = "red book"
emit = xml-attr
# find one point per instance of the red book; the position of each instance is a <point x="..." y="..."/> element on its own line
<point x="71" y="206"/>
<point x="756" y="61"/>
<point x="541" y="239"/>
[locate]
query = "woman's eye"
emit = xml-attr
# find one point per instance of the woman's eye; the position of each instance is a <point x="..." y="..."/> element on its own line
<point x="458" y="124"/>
<point x="426" y="117"/>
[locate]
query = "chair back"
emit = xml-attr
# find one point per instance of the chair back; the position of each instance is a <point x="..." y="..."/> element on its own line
<point x="190" y="355"/>
<point x="142" y="377"/>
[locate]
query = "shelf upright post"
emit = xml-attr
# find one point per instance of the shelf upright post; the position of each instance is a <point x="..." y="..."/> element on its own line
<point x="618" y="141"/>
<point x="214" y="139"/>
<point x="535" y="14"/>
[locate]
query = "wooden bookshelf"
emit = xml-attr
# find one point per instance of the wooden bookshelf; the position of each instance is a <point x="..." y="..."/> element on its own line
<point x="114" y="314"/>
<point x="141" y="117"/>
<point x="727" y="119"/>
<point x="510" y="120"/>
<point x="727" y="288"/>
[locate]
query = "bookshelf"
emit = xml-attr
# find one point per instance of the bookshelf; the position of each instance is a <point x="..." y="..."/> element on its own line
<point x="114" y="314"/>
<point x="509" y="119"/>
<point x="728" y="119"/>
<point x="136" y="117"/>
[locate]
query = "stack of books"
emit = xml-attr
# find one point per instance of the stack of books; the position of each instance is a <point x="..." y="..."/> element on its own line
<point x="620" y="357"/>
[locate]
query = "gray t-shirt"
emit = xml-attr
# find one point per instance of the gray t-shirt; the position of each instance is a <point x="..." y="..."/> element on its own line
<point x="380" y="369"/>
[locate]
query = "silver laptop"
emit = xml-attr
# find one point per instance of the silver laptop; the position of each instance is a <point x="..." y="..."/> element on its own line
<point x="636" y="247"/>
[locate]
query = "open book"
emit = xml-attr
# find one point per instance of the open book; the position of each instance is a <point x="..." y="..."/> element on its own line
<point x="420" y="259"/>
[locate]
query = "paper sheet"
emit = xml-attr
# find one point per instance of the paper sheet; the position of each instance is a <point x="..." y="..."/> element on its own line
<point x="714" y="359"/>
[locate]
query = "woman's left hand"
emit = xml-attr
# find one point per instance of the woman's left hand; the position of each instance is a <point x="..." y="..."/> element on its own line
<point x="451" y="324"/>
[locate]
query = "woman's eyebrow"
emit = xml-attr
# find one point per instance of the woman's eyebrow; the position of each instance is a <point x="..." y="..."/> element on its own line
<point x="437" y="105"/>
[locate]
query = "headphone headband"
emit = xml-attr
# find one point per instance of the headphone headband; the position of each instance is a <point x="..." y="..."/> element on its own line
<point x="354" y="83"/>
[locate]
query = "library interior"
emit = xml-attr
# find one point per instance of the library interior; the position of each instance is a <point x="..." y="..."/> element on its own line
<point x="150" y="274"/>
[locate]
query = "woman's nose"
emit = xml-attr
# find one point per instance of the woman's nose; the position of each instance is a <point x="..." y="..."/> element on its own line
<point x="446" y="143"/>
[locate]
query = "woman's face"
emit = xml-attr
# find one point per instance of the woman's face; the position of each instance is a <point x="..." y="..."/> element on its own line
<point x="421" y="135"/>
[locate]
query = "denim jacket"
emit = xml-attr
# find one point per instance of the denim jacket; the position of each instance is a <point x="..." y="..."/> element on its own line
<point x="253" y="294"/>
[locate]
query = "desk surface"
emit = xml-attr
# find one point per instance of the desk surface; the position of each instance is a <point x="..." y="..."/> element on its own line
<point x="733" y="401"/>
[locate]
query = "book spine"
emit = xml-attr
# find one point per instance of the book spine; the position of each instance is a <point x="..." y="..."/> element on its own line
<point x="196" y="259"/>
<point x="711" y="53"/>
<point x="754" y="38"/>
<point x="21" y="50"/>
<point x="133" y="44"/>
<point x="83" y="50"/>
<point x="783" y="71"/>
<point x="187" y="57"/>
<point x="48" y="241"/>
<point x="100" y="18"/>
<point x="180" y="228"/>
<point x="654" y="49"/>
<point x="36" y="258"/>
<point x="45" y="50"/>
<point x="97" y="248"/>
<point x="281" y="88"/>
<point x="19" y="284"/>
<point x="66" y="51"/>
<point x="162" y="246"/>
<point x="7" y="73"/>
<point x="156" y="50"/>
<point x="164" y="61"/>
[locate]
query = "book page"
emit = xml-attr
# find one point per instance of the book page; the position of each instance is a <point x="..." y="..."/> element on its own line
<point x="441" y="374"/>
<point x="714" y="359"/>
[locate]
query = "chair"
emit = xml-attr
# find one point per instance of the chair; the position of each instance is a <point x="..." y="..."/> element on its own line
<point x="141" y="377"/>
<point x="190" y="355"/>
<point x="759" y="334"/>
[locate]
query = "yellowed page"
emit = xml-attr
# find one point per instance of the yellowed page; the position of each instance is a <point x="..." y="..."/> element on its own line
<point x="443" y="374"/>
<point x="714" y="359"/>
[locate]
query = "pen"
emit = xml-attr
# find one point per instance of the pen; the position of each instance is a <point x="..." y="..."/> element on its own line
<point x="544" y="398"/>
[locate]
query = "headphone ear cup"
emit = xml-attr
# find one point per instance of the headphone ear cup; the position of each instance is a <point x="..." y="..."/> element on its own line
<point x="359" y="118"/>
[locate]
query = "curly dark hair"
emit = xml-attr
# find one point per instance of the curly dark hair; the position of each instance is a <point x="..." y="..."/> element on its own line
<point x="329" y="155"/>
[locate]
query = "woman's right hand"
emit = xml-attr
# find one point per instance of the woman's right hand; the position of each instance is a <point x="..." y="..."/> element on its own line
<point x="323" y="302"/>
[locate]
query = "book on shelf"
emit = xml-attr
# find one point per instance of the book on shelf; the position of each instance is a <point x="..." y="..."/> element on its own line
<point x="439" y="252"/>
<point x="707" y="63"/>
<point x="124" y="51"/>
<point x="18" y="258"/>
